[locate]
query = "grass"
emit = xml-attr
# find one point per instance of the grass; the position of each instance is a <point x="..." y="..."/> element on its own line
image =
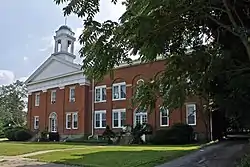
<point x="18" y="148"/>
<point x="122" y="156"/>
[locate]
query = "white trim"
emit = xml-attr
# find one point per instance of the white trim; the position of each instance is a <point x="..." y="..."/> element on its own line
<point x="119" y="111"/>
<point x="37" y="102"/>
<point x="195" y="117"/>
<point x="59" y="82"/>
<point x="61" y="87"/>
<point x="36" y="119"/>
<point x="100" y="112"/>
<point x="73" y="119"/>
<point x="139" y="80"/>
<point x="119" y="91"/>
<point x="101" y="87"/>
<point x="72" y="99"/>
<point x="67" y="120"/>
<point x="164" y="116"/>
<point x="44" y="90"/>
<point x="52" y="100"/>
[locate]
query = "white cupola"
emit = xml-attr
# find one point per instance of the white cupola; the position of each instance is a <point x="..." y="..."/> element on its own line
<point x="64" y="43"/>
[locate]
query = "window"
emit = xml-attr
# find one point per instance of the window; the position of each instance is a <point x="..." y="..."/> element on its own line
<point x="37" y="99"/>
<point x="53" y="122"/>
<point x="119" y="91"/>
<point x="36" y="122"/>
<point x="191" y="114"/>
<point x="72" y="120"/>
<point x="75" y="121"/>
<point x="72" y="94"/>
<point x="164" y="117"/>
<point x="100" y="94"/>
<point x="100" y="119"/>
<point x="119" y="118"/>
<point x="68" y="121"/>
<point x="141" y="117"/>
<point x="53" y="96"/>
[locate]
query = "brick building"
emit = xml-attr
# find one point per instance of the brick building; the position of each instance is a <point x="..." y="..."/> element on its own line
<point x="61" y="99"/>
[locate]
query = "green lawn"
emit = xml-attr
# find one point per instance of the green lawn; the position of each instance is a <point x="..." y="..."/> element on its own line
<point x="18" y="148"/>
<point x="122" y="156"/>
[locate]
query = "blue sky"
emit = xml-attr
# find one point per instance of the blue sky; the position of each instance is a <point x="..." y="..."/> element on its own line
<point x="27" y="29"/>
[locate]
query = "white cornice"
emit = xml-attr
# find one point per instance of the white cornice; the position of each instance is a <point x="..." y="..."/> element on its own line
<point x="61" y="82"/>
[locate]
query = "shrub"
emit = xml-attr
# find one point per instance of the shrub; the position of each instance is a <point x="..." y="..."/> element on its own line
<point x="108" y="134"/>
<point x="23" y="135"/>
<point x="9" y="132"/>
<point x="54" y="136"/>
<point x="43" y="137"/>
<point x="177" y="134"/>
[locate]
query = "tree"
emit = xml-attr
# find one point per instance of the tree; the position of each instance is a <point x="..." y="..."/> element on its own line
<point x="205" y="44"/>
<point x="12" y="103"/>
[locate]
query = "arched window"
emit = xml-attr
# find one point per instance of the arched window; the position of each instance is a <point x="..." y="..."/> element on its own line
<point x="53" y="122"/>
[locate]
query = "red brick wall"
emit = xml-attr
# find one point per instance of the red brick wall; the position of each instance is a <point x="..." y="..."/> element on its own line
<point x="131" y="75"/>
<point x="61" y="107"/>
<point x="83" y="103"/>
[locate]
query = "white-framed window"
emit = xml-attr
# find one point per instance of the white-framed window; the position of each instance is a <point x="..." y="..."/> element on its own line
<point x="119" y="91"/>
<point x="191" y="114"/>
<point x="100" y="119"/>
<point x="72" y="94"/>
<point x="37" y="99"/>
<point x="141" y="117"/>
<point x="164" y="116"/>
<point x="53" y="97"/>
<point x="118" y="118"/>
<point x="100" y="93"/>
<point x="36" y="122"/>
<point x="68" y="120"/>
<point x="75" y="120"/>
<point x="53" y="122"/>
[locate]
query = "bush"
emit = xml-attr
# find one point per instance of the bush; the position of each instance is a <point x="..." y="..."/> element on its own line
<point x="43" y="136"/>
<point x="108" y="134"/>
<point x="23" y="135"/>
<point x="177" y="134"/>
<point x="17" y="133"/>
<point x="54" y="136"/>
<point x="9" y="132"/>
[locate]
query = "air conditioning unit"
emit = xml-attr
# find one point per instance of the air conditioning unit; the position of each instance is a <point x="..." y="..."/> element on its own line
<point x="53" y="102"/>
<point x="72" y="100"/>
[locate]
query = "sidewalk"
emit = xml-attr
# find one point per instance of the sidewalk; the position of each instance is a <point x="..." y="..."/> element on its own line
<point x="219" y="155"/>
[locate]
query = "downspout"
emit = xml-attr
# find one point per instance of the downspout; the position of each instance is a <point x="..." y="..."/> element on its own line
<point x="92" y="111"/>
<point x="211" y="126"/>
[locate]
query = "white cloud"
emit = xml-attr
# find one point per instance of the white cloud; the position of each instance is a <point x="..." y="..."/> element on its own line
<point x="6" y="77"/>
<point x="25" y="58"/>
<point x="48" y="42"/>
<point x="23" y="79"/>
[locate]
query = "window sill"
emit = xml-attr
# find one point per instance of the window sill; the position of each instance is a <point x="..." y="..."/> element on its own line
<point x="164" y="125"/>
<point x="101" y="101"/>
<point x="117" y="127"/>
<point x="75" y="128"/>
<point x="100" y="127"/>
<point x="118" y="99"/>
<point x="68" y="128"/>
<point x="192" y="124"/>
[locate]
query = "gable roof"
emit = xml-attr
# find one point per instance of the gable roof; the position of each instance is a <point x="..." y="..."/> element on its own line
<point x="47" y="62"/>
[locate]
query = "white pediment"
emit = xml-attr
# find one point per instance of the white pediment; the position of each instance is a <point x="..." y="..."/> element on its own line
<point x="53" y="67"/>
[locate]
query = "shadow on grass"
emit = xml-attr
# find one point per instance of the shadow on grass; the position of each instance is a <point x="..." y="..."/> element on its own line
<point x="143" y="158"/>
